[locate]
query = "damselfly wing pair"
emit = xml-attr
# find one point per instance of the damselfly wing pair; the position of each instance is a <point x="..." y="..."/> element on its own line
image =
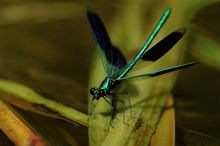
<point x="114" y="62"/>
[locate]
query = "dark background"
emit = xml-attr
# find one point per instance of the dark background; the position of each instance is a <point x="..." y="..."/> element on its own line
<point x="51" y="49"/>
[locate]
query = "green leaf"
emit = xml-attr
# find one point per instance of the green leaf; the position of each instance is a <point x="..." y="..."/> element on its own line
<point x="26" y="98"/>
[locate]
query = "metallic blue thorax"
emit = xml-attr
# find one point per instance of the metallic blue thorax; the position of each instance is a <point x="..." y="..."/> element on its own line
<point x="109" y="83"/>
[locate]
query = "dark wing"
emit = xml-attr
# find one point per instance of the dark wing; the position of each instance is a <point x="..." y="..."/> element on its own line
<point x="111" y="57"/>
<point x="122" y="73"/>
<point x="160" y="72"/>
<point x="158" y="50"/>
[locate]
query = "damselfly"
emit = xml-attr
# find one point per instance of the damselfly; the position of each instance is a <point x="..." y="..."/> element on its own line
<point x="115" y="65"/>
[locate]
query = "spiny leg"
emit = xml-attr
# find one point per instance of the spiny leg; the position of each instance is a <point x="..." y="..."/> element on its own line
<point x="123" y="104"/>
<point x="112" y="109"/>
<point x="114" y="93"/>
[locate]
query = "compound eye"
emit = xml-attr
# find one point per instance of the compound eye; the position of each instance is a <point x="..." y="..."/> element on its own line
<point x="92" y="90"/>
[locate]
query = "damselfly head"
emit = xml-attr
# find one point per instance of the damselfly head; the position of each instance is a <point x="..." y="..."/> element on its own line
<point x="95" y="92"/>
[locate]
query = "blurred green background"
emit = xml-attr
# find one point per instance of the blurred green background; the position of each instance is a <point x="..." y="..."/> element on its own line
<point x="47" y="45"/>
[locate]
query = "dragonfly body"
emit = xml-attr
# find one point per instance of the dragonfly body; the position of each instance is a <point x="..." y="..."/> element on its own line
<point x="114" y="62"/>
<point x="108" y="84"/>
